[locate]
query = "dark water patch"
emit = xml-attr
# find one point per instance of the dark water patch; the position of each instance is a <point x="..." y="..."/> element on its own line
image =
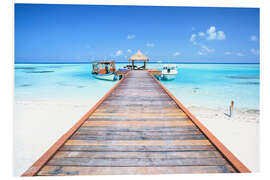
<point x="243" y="77"/>
<point x="81" y="86"/>
<point x="249" y="83"/>
<point x="195" y="89"/>
<point x="52" y="67"/>
<point x="39" y="71"/>
<point x="25" y="85"/>
<point x="25" y="68"/>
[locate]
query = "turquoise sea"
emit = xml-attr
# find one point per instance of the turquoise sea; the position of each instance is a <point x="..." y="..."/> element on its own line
<point x="211" y="85"/>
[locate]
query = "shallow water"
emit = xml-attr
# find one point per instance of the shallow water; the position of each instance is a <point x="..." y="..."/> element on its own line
<point x="203" y="85"/>
<point x="211" y="85"/>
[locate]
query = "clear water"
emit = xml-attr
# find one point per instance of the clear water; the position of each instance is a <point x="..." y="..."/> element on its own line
<point x="211" y="85"/>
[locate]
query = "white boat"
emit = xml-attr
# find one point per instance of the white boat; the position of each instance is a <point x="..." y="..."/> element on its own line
<point x="108" y="77"/>
<point x="169" y="72"/>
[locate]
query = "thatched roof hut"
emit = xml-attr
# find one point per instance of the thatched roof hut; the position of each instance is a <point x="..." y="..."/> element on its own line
<point x="139" y="56"/>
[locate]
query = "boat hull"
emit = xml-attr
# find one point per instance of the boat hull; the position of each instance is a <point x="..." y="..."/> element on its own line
<point x="107" y="77"/>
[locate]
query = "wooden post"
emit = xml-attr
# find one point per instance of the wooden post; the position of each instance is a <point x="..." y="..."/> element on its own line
<point x="144" y="65"/>
<point x="231" y="108"/>
<point x="132" y="64"/>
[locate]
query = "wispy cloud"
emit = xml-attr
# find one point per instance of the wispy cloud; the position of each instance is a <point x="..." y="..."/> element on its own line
<point x="254" y="51"/>
<point x="213" y="35"/>
<point x="240" y="54"/>
<point x="193" y="38"/>
<point x="221" y="35"/>
<point x="129" y="51"/>
<point x="150" y="44"/>
<point x="205" y="50"/>
<point x="119" y="52"/>
<point x="176" y="54"/>
<point x="201" y="34"/>
<point x="131" y="36"/>
<point x="228" y="53"/>
<point x="253" y="38"/>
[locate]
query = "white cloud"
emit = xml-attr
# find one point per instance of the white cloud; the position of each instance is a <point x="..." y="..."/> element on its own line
<point x="253" y="38"/>
<point x="213" y="35"/>
<point x="193" y="37"/>
<point x="205" y="50"/>
<point x="221" y="35"/>
<point x="119" y="53"/>
<point x="201" y="53"/>
<point x="201" y="34"/>
<point x="129" y="50"/>
<point x="228" y="53"/>
<point x="254" y="51"/>
<point x="240" y="54"/>
<point x="131" y="36"/>
<point x="150" y="44"/>
<point x="176" y="54"/>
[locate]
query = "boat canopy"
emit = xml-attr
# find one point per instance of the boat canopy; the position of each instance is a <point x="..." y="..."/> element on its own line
<point x="103" y="67"/>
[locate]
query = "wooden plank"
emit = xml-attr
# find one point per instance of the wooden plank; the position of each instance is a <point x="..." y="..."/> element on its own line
<point x="71" y="170"/>
<point x="138" y="155"/>
<point x="109" y="148"/>
<point x="237" y="164"/>
<point x="136" y="142"/>
<point x="138" y="137"/>
<point x="138" y="129"/>
<point x="138" y="123"/>
<point x="137" y="119"/>
<point x="138" y="114"/>
<point x="131" y="132"/>
<point x="143" y="162"/>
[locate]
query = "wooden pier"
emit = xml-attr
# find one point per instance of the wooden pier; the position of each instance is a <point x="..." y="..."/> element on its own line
<point x="138" y="127"/>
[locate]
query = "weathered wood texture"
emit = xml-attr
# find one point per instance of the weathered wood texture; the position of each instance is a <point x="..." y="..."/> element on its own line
<point x="137" y="129"/>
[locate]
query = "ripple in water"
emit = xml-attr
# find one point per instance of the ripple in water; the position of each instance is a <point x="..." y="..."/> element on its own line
<point x="25" y="85"/>
<point x="38" y="71"/>
<point x="243" y="77"/>
<point x="25" y="68"/>
<point x="250" y="83"/>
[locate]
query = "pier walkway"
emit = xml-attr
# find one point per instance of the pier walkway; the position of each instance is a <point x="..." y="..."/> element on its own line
<point x="138" y="127"/>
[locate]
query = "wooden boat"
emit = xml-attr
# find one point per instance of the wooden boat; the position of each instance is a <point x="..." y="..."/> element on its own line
<point x="169" y="72"/>
<point x="104" y="70"/>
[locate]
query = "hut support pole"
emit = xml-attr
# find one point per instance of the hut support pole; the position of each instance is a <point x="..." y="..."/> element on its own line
<point x="132" y="64"/>
<point x="144" y="65"/>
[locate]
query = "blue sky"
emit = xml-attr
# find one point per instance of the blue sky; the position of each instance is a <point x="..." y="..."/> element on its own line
<point x="81" y="33"/>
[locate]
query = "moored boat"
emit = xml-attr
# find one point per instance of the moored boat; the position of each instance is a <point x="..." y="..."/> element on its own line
<point x="169" y="72"/>
<point x="104" y="70"/>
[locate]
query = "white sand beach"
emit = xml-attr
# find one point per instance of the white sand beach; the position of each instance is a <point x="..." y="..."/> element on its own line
<point x="38" y="123"/>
